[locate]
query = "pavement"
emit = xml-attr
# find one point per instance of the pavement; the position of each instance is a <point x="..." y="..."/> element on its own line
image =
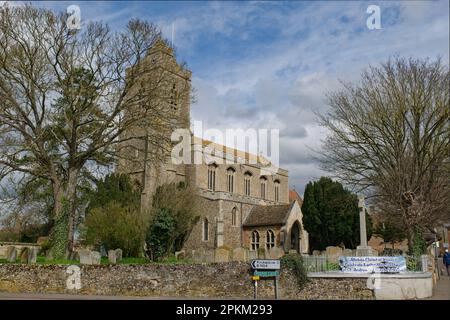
<point x="442" y="289"/>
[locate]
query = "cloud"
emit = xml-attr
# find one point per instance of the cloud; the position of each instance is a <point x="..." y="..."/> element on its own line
<point x="270" y="64"/>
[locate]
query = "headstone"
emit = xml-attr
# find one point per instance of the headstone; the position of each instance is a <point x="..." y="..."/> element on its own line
<point x="252" y="255"/>
<point x="103" y="252"/>
<point x="11" y="254"/>
<point x="41" y="241"/>
<point x="74" y="256"/>
<point x="180" y="255"/>
<point x="32" y="255"/>
<point x="24" y="255"/>
<point x="333" y="254"/>
<point x="347" y="252"/>
<point x="316" y="252"/>
<point x="222" y="255"/>
<point x="275" y="253"/>
<point x="197" y="256"/>
<point x="208" y="256"/>
<point x="365" y="251"/>
<point x="85" y="256"/>
<point x="112" y="256"/>
<point x="96" y="257"/>
<point x="118" y="255"/>
<point x="190" y="254"/>
<point x="240" y="254"/>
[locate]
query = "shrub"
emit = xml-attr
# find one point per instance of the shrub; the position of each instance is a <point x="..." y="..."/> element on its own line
<point x="294" y="262"/>
<point x="419" y="246"/>
<point x="160" y="238"/>
<point x="6" y="236"/>
<point x="115" y="226"/>
<point x="174" y="213"/>
<point x="114" y="187"/>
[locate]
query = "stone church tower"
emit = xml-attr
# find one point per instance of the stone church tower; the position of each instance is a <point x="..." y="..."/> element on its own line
<point x="167" y="85"/>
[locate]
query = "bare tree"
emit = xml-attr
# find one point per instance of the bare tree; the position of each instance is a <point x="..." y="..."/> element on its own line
<point x="68" y="96"/>
<point x="389" y="136"/>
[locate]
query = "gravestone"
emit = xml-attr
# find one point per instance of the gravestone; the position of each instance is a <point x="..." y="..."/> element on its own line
<point x="333" y="254"/>
<point x="222" y="255"/>
<point x="190" y="254"/>
<point x="347" y="252"/>
<point x="180" y="255"/>
<point x="208" y="256"/>
<point x="275" y="253"/>
<point x="85" y="256"/>
<point x="96" y="257"/>
<point x="24" y="255"/>
<point x="112" y="258"/>
<point x="197" y="256"/>
<point x="103" y="252"/>
<point x="240" y="254"/>
<point x="253" y="255"/>
<point x="11" y="254"/>
<point x="41" y="241"/>
<point x="32" y="255"/>
<point x="316" y="252"/>
<point x="74" y="256"/>
<point x="118" y="255"/>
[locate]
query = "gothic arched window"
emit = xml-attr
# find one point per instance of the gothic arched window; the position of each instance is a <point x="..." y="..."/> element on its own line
<point x="277" y="190"/>
<point x="234" y="217"/>
<point x="230" y="179"/>
<point x="270" y="239"/>
<point x="212" y="177"/>
<point x="255" y="240"/>
<point x="247" y="183"/>
<point x="205" y="230"/>
<point x="263" y="181"/>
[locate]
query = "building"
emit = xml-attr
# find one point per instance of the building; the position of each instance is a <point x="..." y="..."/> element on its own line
<point x="242" y="203"/>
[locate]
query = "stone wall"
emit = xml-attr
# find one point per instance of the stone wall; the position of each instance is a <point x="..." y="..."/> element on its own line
<point x="221" y="280"/>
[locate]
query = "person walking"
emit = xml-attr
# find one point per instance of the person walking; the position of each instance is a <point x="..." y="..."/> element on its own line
<point x="446" y="259"/>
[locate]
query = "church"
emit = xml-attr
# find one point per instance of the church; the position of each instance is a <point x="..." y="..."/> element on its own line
<point x="241" y="206"/>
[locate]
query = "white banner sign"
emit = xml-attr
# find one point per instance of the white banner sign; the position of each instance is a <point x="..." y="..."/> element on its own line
<point x="372" y="264"/>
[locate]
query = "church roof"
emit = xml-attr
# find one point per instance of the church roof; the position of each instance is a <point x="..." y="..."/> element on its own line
<point x="268" y="215"/>
<point x="232" y="151"/>
<point x="293" y="195"/>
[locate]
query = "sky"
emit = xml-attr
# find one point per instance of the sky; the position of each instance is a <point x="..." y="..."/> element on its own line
<point x="269" y="65"/>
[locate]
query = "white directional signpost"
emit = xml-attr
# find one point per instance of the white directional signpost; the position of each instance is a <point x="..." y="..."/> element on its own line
<point x="265" y="268"/>
<point x="266" y="264"/>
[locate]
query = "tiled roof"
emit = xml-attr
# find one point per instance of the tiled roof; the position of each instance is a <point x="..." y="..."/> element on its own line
<point x="268" y="215"/>
<point x="293" y="195"/>
<point x="235" y="152"/>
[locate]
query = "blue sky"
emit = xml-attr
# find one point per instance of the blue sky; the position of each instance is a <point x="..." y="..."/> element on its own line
<point x="261" y="64"/>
